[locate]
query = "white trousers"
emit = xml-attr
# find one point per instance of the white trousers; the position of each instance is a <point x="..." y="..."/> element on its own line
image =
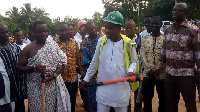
<point x="105" y="108"/>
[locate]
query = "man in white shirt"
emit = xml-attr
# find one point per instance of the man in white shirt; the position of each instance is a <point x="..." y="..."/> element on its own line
<point x="147" y="24"/>
<point x="74" y="34"/>
<point x="5" y="105"/>
<point x="19" y="37"/>
<point x="109" y="59"/>
<point x="130" y="33"/>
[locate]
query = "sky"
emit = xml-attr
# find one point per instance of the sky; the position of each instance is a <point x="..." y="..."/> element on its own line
<point x="73" y="8"/>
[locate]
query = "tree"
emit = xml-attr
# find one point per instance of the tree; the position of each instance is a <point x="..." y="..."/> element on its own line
<point x="13" y="18"/>
<point x="39" y="14"/>
<point x="27" y="13"/>
<point x="13" y="13"/>
<point x="2" y="19"/>
<point x="194" y="9"/>
<point x="161" y="8"/>
<point x="143" y="8"/>
<point x="71" y="20"/>
<point x="130" y="9"/>
<point x="98" y="20"/>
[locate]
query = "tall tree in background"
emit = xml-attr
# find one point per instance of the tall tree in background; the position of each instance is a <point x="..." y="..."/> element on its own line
<point x="27" y="13"/>
<point x="13" y="17"/>
<point x="194" y="9"/>
<point x="162" y="8"/>
<point x="71" y="20"/>
<point x="138" y="9"/>
<point x="130" y="9"/>
<point x="98" y="20"/>
<point x="22" y="18"/>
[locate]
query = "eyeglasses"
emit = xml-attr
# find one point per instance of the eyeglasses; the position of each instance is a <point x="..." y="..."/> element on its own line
<point x="128" y="19"/>
<point x="178" y="10"/>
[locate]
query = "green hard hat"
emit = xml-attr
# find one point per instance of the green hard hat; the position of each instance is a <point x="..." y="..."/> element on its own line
<point x="115" y="17"/>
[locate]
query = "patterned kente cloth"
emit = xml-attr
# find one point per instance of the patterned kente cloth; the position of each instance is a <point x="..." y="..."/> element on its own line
<point x="56" y="95"/>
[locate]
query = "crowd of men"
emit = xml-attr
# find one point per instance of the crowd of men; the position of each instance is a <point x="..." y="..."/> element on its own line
<point x="72" y="60"/>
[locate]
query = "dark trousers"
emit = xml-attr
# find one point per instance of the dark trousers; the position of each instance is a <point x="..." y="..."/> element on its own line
<point x="138" y="106"/>
<point x="84" y="97"/>
<point x="198" y="89"/>
<point x="19" y="106"/>
<point x="176" y="85"/>
<point x="72" y="89"/>
<point x="148" y="93"/>
<point x="6" y="108"/>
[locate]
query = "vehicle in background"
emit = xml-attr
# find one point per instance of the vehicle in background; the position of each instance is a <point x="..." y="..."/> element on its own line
<point x="165" y="24"/>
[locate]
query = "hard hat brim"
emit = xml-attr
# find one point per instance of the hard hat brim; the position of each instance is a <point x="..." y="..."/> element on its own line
<point x="113" y="22"/>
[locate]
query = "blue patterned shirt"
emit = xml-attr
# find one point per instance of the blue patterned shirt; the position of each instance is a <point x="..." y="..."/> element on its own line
<point x="88" y="48"/>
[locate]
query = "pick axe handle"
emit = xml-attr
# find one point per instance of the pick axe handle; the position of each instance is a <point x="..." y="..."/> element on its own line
<point x="43" y="90"/>
<point x="43" y="97"/>
<point x="139" y="95"/>
<point x="133" y="78"/>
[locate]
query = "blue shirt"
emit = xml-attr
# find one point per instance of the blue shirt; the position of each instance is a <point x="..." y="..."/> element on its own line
<point x="88" y="48"/>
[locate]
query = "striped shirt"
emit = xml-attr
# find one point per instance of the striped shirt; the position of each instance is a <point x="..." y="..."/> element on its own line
<point x="10" y="59"/>
<point x="181" y="50"/>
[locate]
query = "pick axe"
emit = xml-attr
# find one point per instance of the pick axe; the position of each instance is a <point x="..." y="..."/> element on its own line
<point x="134" y="78"/>
<point x="43" y="89"/>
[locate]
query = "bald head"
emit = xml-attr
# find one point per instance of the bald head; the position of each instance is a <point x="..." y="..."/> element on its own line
<point x="130" y="22"/>
<point x="183" y="6"/>
<point x="2" y="25"/>
<point x="179" y="12"/>
<point x="130" y="28"/>
<point x="4" y="34"/>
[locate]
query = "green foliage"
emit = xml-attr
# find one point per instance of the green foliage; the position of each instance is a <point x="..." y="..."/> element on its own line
<point x="128" y="8"/>
<point x="163" y="8"/>
<point x="21" y="19"/>
<point x="71" y="20"/>
<point x="98" y="20"/>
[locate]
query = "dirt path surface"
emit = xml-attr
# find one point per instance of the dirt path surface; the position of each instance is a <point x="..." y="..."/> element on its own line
<point x="181" y="105"/>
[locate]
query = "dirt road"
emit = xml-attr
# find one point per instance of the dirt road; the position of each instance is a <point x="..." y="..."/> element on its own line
<point x="181" y="105"/>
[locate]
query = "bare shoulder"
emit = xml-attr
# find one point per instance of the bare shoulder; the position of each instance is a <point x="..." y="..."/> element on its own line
<point x="29" y="47"/>
<point x="29" y="50"/>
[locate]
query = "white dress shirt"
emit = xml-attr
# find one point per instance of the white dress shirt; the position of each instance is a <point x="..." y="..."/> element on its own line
<point x="78" y="36"/>
<point x="6" y="98"/>
<point x="112" y="66"/>
<point x="21" y="46"/>
<point x="144" y="33"/>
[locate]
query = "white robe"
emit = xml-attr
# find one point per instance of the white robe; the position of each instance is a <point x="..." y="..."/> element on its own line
<point x="6" y="98"/>
<point x="112" y="66"/>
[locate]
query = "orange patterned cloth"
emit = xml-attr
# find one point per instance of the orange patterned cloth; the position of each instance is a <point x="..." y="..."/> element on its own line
<point x="73" y="58"/>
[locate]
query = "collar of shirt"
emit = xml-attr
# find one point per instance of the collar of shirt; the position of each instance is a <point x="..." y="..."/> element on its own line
<point x="184" y="23"/>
